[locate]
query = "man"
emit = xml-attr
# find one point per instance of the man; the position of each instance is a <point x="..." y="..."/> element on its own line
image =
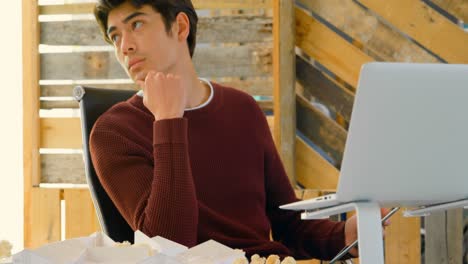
<point x="191" y="160"/>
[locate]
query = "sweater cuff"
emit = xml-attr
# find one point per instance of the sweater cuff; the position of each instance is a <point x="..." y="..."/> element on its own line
<point x="170" y="131"/>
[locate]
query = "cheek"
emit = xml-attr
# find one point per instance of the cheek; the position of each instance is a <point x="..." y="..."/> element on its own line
<point x="119" y="57"/>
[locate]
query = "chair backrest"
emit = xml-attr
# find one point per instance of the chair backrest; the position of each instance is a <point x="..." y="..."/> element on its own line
<point x="94" y="102"/>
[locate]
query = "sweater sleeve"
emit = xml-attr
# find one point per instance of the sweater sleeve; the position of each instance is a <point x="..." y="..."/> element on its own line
<point x="320" y="239"/>
<point x="160" y="198"/>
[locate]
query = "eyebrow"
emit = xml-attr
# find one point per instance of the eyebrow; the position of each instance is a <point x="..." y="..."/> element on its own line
<point x="125" y="20"/>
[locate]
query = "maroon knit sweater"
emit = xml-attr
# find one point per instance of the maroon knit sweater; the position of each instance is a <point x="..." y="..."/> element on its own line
<point x="213" y="174"/>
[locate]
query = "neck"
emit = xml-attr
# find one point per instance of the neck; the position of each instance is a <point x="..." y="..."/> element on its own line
<point x="197" y="91"/>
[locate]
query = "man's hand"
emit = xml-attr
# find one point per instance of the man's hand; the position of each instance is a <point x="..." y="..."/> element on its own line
<point x="164" y="95"/>
<point x="351" y="230"/>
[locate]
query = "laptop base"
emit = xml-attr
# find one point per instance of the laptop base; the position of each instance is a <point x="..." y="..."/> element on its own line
<point x="427" y="210"/>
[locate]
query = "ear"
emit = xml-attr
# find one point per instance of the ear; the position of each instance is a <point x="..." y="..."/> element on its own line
<point x="182" y="26"/>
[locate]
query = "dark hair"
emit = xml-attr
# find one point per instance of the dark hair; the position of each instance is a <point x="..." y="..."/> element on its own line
<point x="167" y="8"/>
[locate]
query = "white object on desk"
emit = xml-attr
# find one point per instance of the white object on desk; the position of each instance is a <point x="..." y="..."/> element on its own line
<point x="99" y="248"/>
<point x="160" y="244"/>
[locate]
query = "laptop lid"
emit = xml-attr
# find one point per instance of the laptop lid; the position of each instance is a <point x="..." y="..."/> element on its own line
<point x="408" y="136"/>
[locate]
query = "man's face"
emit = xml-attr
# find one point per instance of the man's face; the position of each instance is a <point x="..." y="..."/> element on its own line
<point x="141" y="41"/>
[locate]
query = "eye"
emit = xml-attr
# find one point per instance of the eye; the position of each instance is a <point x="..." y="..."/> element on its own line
<point x="137" y="24"/>
<point x="114" y="38"/>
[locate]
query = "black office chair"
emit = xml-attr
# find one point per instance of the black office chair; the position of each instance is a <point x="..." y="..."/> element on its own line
<point x="93" y="102"/>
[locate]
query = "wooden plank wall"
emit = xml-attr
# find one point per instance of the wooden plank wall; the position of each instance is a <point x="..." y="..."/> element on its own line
<point x="334" y="38"/>
<point x="284" y="88"/>
<point x="248" y="45"/>
<point x="64" y="48"/>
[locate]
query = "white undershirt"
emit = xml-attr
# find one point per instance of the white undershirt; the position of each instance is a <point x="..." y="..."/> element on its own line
<point x="140" y="93"/>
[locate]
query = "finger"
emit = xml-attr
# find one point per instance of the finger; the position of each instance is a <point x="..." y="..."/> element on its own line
<point x="141" y="84"/>
<point x="160" y="75"/>
<point x="149" y="76"/>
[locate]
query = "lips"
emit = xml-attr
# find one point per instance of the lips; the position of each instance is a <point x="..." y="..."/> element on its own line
<point x="134" y="63"/>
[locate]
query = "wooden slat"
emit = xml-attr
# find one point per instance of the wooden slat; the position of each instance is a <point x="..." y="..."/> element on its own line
<point x="245" y="61"/>
<point x="444" y="237"/>
<point x="266" y="105"/>
<point x="63" y="168"/>
<point x="59" y="104"/>
<point x="263" y="87"/>
<point x="321" y="130"/>
<point x="31" y="163"/>
<point x="80" y="215"/>
<point x="299" y="193"/>
<point x="312" y="170"/>
<point x="336" y="97"/>
<point x="310" y="193"/>
<point x="45" y="216"/>
<point x="328" y="48"/>
<point x="231" y="29"/>
<point x="365" y="28"/>
<point x="283" y="83"/>
<point x="271" y="124"/>
<point x="199" y="4"/>
<point x="67" y="89"/>
<point x="457" y="8"/>
<point x="61" y="133"/>
<point x="402" y="240"/>
<point x="426" y="26"/>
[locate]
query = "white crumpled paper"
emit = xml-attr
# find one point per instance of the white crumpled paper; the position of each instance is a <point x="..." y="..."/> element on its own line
<point x="99" y="248"/>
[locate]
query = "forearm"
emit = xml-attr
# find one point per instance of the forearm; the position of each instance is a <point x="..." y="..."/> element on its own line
<point x="172" y="209"/>
<point x="153" y="191"/>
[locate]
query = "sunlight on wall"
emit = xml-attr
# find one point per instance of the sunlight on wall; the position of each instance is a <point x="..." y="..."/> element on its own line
<point x="11" y="134"/>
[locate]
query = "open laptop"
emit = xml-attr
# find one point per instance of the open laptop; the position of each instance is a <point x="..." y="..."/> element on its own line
<point x="407" y="143"/>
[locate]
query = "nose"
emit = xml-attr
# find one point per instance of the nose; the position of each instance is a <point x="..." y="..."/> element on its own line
<point x="127" y="44"/>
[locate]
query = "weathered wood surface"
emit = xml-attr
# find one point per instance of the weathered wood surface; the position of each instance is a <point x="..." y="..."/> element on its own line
<point x="266" y="105"/>
<point x="245" y="61"/>
<point x="80" y="215"/>
<point x="66" y="90"/>
<point x="328" y="48"/>
<point x="263" y="87"/>
<point x="230" y="29"/>
<point x="84" y="8"/>
<point x="44" y="218"/>
<point x="284" y="84"/>
<point x="444" y="237"/>
<point x="457" y="8"/>
<point x="31" y="129"/>
<point x="320" y="129"/>
<point x="425" y="25"/>
<point x="63" y="168"/>
<point x="336" y="97"/>
<point x="372" y="34"/>
<point x="60" y="133"/>
<point x="402" y="240"/>
<point x="312" y="170"/>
